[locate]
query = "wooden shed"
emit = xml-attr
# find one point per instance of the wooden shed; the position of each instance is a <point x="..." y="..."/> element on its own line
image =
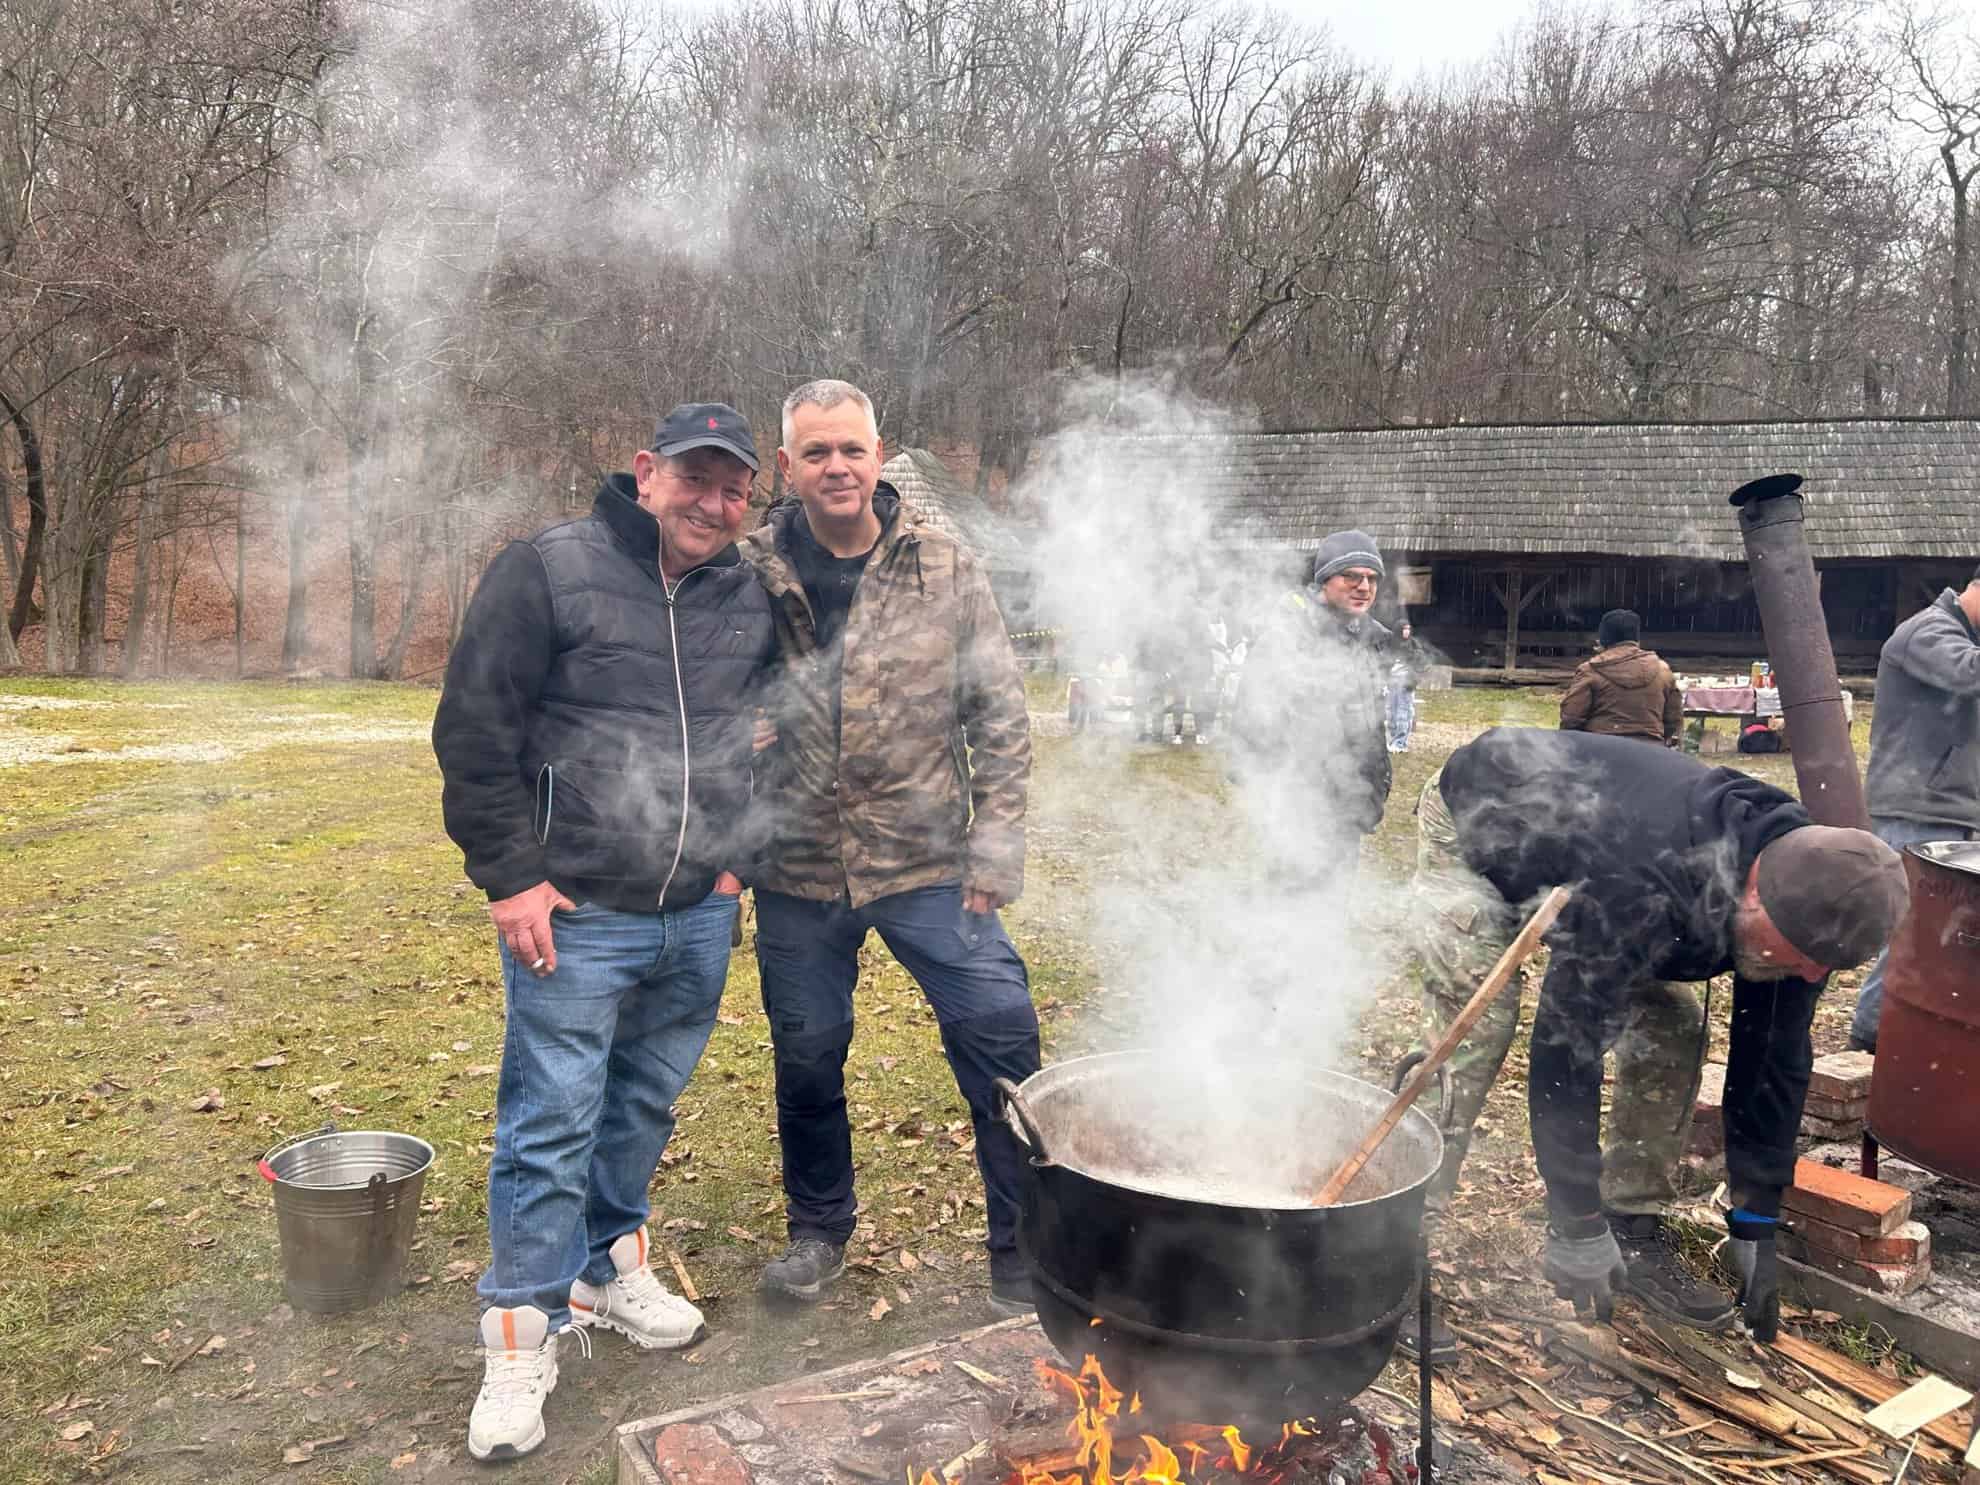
<point x="1506" y="543"/>
<point x="929" y="485"/>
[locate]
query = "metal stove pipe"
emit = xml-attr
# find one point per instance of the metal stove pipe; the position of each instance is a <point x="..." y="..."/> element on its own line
<point x="1790" y="600"/>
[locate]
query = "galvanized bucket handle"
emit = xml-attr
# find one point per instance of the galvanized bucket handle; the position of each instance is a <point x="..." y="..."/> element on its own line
<point x="1017" y="1113"/>
<point x="266" y="1165"/>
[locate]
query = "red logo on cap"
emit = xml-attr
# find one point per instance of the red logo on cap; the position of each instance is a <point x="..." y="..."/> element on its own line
<point x="711" y="422"/>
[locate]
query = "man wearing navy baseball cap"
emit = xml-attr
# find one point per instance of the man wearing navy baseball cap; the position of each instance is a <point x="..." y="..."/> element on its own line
<point x="594" y="739"/>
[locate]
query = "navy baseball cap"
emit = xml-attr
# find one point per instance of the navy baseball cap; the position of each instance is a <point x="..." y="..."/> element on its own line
<point x="706" y="425"/>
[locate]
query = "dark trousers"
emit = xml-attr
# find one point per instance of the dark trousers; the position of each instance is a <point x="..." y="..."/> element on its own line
<point x="975" y="982"/>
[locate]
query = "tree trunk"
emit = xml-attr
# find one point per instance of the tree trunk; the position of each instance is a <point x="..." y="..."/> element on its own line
<point x="147" y="541"/>
<point x="412" y="590"/>
<point x="240" y="584"/>
<point x="37" y="504"/>
<point x="302" y="508"/>
<point x="1958" y="334"/>
<point x="93" y="601"/>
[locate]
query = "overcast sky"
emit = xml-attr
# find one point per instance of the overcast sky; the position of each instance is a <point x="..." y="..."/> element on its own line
<point x="1429" y="35"/>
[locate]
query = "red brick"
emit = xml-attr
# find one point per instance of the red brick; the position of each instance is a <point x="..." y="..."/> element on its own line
<point x="1910" y="1243"/>
<point x="1842" y="1076"/>
<point x="1845" y="1200"/>
<point x="1891" y="1279"/>
<point x="695" y="1454"/>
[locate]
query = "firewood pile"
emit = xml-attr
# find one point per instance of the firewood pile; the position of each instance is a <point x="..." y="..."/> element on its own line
<point x="1643" y="1401"/>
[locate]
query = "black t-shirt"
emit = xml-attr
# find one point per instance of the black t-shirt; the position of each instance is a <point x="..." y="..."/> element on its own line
<point x="830" y="583"/>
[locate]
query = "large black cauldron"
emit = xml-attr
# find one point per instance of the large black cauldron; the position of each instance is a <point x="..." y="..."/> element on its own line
<point x="1166" y="1232"/>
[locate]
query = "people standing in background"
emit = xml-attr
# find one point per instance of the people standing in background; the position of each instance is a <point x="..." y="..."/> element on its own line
<point x="1625" y="690"/>
<point x="1406" y="666"/>
<point x="1309" y="708"/>
<point x="1923" y="783"/>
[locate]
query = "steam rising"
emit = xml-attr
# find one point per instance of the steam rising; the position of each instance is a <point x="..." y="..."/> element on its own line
<point x="1230" y="916"/>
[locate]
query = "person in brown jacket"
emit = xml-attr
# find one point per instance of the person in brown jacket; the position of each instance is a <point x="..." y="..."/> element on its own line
<point x="893" y="801"/>
<point x="1625" y="690"/>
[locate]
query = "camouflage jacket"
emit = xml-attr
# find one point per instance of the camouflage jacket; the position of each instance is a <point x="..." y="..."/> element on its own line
<point x="925" y="781"/>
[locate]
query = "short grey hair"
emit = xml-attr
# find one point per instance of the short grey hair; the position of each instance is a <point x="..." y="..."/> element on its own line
<point x="826" y="393"/>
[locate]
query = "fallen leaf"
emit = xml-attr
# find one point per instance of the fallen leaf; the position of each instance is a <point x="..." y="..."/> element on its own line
<point x="78" y="1431"/>
<point x="213" y="1347"/>
<point x="323" y="1090"/>
<point x="278" y="1060"/>
<point x="460" y="1272"/>
<point x="742" y="1234"/>
<point x="483" y="1070"/>
<point x="909" y="1261"/>
<point x="400" y="1461"/>
<point x="880" y="1310"/>
<point x="297" y="1454"/>
<point x="208" y="1102"/>
<point x="463" y="1046"/>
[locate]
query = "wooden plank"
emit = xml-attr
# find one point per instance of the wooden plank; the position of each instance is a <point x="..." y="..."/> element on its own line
<point x="1843" y="1372"/>
<point x="1823" y="1424"/>
<point x="1921" y="1403"/>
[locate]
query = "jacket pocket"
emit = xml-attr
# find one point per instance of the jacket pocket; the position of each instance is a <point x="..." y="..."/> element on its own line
<point x="610" y="824"/>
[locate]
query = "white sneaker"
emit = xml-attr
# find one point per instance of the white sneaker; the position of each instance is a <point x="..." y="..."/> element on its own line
<point x="636" y="1304"/>
<point x="518" y="1371"/>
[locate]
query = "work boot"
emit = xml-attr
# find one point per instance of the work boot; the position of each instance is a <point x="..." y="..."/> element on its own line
<point x="1011" y="1293"/>
<point x="1658" y="1277"/>
<point x="635" y="1303"/>
<point x="809" y="1267"/>
<point x="1443" y="1344"/>
<point x="518" y="1371"/>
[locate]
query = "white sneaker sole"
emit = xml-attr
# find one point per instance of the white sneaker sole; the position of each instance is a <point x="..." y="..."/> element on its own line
<point x="498" y="1452"/>
<point x="591" y="1320"/>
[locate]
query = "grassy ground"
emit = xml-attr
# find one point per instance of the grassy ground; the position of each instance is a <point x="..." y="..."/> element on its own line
<point x="228" y="913"/>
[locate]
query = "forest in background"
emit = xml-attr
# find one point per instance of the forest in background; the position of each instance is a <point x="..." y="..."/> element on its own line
<point x="305" y="305"/>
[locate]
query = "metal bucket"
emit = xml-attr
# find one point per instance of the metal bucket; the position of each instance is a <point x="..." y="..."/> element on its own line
<point x="345" y="1205"/>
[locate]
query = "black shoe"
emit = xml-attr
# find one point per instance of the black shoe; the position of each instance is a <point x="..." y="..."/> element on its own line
<point x="808" y="1268"/>
<point x="1443" y="1345"/>
<point x="1857" y="1044"/>
<point x="1658" y="1277"/>
<point x="1012" y="1294"/>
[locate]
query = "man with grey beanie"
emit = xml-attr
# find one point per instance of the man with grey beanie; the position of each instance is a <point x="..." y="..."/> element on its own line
<point x="1310" y="705"/>
<point x="1680" y="873"/>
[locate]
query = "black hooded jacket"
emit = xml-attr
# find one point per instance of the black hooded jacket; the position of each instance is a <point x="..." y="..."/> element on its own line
<point x="1657" y="848"/>
<point x="594" y="729"/>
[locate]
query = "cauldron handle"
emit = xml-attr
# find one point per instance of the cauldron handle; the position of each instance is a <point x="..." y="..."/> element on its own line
<point x="1407" y="1066"/>
<point x="1017" y="1114"/>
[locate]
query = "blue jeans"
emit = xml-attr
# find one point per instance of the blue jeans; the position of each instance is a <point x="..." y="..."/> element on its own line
<point x="970" y="971"/>
<point x="593" y="1058"/>
<point x="1402" y="718"/>
<point x="1870" y="999"/>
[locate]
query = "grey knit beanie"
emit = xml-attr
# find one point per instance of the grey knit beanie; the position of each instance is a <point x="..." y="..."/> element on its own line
<point x="1345" y="549"/>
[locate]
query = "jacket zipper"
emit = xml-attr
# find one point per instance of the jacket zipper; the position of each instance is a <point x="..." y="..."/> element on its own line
<point x="680" y="704"/>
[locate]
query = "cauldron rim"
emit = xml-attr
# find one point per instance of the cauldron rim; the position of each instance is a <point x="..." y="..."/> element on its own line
<point x="1415" y="1126"/>
<point x="1954" y="855"/>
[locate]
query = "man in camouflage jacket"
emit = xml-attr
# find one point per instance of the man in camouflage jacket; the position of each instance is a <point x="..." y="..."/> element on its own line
<point x="893" y="801"/>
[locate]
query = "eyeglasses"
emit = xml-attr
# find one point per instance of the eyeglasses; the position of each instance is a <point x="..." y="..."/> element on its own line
<point x="1359" y="578"/>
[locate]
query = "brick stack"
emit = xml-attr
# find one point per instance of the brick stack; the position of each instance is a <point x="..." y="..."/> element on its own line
<point x="1838" y="1096"/>
<point x="1856" y="1229"/>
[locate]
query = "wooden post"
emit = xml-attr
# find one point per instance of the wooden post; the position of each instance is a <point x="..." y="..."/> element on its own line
<point x="1514" y="605"/>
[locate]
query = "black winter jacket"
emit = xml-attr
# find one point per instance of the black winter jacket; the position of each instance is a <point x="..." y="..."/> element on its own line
<point x="1657" y="847"/>
<point x="594" y="729"/>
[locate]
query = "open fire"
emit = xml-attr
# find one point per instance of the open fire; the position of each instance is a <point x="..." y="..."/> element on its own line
<point x="1110" y="1441"/>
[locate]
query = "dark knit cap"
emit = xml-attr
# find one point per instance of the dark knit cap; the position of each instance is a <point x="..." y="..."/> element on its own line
<point x="1834" y="893"/>
<point x="1345" y="549"/>
<point x="1620" y="626"/>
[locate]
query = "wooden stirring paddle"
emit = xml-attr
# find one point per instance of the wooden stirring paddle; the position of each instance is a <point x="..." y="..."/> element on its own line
<point x="1517" y="953"/>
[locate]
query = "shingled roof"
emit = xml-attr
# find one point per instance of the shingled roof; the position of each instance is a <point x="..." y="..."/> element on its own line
<point x="1876" y="488"/>
<point x="929" y="485"/>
